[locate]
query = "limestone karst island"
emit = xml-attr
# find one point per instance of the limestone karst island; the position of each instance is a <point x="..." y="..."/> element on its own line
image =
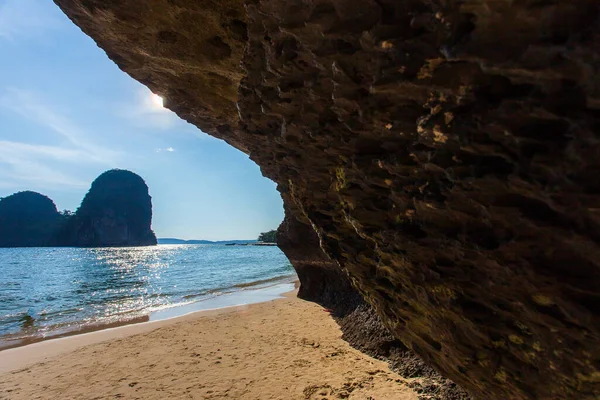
<point x="433" y="168"/>
<point x="116" y="211"/>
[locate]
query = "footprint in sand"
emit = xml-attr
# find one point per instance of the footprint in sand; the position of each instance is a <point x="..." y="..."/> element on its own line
<point x="301" y="363"/>
<point x="321" y="392"/>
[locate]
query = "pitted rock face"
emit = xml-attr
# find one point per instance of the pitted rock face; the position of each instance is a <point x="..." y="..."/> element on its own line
<point x="445" y="153"/>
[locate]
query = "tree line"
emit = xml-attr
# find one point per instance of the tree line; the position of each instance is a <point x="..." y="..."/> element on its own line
<point x="268" y="237"/>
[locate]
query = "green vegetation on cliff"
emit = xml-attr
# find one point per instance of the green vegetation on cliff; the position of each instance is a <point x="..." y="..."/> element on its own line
<point x="28" y="219"/>
<point x="116" y="211"/>
<point x="268" y="237"/>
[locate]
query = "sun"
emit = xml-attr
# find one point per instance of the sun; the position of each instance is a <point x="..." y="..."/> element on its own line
<point x="157" y="101"/>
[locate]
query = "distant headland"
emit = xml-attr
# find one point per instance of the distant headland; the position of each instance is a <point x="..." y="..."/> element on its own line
<point x="264" y="239"/>
<point x="193" y="241"/>
<point x="116" y="211"/>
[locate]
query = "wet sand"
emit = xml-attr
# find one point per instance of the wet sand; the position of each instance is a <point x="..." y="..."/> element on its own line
<point x="282" y="349"/>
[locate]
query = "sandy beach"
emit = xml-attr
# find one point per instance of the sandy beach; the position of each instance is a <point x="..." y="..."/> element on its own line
<point x="282" y="349"/>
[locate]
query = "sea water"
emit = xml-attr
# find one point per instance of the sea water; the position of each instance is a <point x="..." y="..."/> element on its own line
<point x="48" y="291"/>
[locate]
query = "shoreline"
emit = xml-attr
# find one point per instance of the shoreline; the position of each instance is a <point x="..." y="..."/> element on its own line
<point x="85" y="290"/>
<point x="265" y="291"/>
<point x="282" y="349"/>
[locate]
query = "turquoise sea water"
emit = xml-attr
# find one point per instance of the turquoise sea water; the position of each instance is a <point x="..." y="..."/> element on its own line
<point x="48" y="290"/>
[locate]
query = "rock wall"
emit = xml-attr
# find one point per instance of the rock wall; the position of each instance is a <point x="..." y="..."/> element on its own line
<point x="445" y="153"/>
<point x="323" y="282"/>
<point x="321" y="279"/>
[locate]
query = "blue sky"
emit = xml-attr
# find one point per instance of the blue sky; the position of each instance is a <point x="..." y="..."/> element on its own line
<point x="67" y="113"/>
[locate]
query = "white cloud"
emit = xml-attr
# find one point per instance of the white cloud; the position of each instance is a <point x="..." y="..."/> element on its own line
<point x="32" y="106"/>
<point x="46" y="165"/>
<point x="20" y="18"/>
<point x="10" y="149"/>
<point x="168" y="149"/>
<point x="38" y="165"/>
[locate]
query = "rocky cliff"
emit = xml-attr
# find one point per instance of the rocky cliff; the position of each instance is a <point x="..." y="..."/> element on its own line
<point x="28" y="219"/>
<point x="116" y="211"/>
<point x="323" y="282"/>
<point x="443" y="154"/>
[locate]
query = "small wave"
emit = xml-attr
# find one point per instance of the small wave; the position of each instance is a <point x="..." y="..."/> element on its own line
<point x="261" y="282"/>
<point x="215" y="292"/>
<point x="244" y="285"/>
<point x="167" y="306"/>
<point x="53" y="313"/>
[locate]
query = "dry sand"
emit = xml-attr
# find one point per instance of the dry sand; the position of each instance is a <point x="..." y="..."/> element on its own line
<point x="283" y="349"/>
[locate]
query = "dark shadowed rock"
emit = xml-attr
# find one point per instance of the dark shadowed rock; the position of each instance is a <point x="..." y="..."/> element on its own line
<point x="323" y="282"/>
<point x="28" y="219"/>
<point x="117" y="211"/>
<point x="445" y="154"/>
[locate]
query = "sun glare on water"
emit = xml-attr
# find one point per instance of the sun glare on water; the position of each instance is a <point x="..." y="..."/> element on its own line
<point x="157" y="101"/>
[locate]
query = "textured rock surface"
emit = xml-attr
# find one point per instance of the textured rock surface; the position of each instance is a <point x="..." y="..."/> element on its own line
<point x="445" y="152"/>
<point x="323" y="282"/>
<point x="116" y="211"/>
<point x="364" y="330"/>
<point x="28" y="219"/>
